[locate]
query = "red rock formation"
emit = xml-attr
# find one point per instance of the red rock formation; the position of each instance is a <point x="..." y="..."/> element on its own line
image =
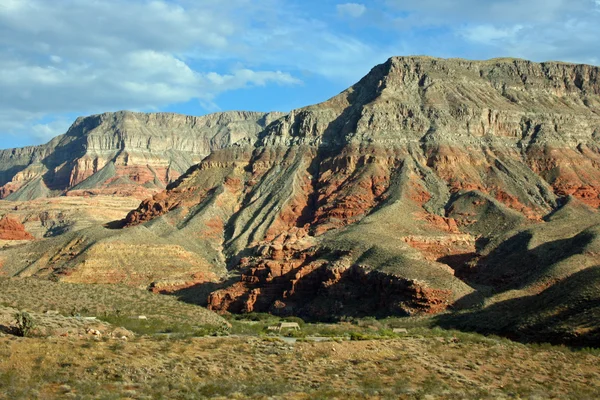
<point x="286" y="275"/>
<point x="11" y="229"/>
<point x="435" y="248"/>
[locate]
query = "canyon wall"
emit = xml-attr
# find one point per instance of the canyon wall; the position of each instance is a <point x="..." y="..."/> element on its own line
<point x="122" y="153"/>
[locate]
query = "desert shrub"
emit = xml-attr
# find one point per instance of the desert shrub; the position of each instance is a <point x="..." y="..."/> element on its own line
<point x="154" y="326"/>
<point x="386" y="333"/>
<point x="254" y="316"/>
<point x="433" y="385"/>
<point x="588" y="350"/>
<point x="24" y="323"/>
<point x="294" y="333"/>
<point x="241" y="328"/>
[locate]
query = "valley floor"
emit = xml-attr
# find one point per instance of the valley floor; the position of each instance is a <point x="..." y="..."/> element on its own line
<point x="432" y="365"/>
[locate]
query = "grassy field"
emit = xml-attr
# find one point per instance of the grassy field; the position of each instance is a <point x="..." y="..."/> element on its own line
<point x="174" y="354"/>
<point x="412" y="367"/>
<point x="116" y="304"/>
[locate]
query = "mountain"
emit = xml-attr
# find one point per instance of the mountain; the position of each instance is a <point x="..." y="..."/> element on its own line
<point x="53" y="216"/>
<point x="121" y="153"/>
<point x="429" y="186"/>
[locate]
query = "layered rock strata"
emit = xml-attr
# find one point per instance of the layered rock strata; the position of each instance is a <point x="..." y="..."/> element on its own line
<point x="397" y="196"/>
<point x="386" y="167"/>
<point x="123" y="153"/>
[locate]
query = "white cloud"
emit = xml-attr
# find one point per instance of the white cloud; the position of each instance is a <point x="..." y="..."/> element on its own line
<point x="45" y="132"/>
<point x="539" y="30"/>
<point x="353" y="10"/>
<point x="72" y="56"/>
<point x="488" y="34"/>
<point x="80" y="57"/>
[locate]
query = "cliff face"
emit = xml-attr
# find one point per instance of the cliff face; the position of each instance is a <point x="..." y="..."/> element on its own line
<point x="122" y="153"/>
<point x="402" y="195"/>
<point x="410" y="172"/>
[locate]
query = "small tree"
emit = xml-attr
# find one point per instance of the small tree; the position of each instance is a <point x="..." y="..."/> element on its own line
<point x="24" y="323"/>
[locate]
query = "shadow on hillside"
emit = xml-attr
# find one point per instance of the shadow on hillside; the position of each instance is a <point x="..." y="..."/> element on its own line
<point x="114" y="225"/>
<point x="512" y="266"/>
<point x="6" y="329"/>
<point x="565" y="313"/>
<point x="7" y="175"/>
<point x="198" y="294"/>
<point x="60" y="162"/>
<point x="355" y="293"/>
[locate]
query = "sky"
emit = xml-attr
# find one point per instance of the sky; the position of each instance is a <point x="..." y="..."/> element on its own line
<point x="60" y="59"/>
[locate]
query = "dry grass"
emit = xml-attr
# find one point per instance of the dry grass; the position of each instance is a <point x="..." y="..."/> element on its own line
<point x="363" y="358"/>
<point x="251" y="367"/>
<point x="113" y="303"/>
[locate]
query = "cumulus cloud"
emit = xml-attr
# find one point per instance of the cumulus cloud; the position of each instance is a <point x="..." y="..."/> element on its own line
<point x="353" y="10"/>
<point x="69" y="56"/>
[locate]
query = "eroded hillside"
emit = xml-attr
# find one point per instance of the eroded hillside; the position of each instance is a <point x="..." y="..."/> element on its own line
<point x="123" y="153"/>
<point x="430" y="185"/>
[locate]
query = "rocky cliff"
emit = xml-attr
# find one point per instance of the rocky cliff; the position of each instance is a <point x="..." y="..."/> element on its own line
<point x="403" y="195"/>
<point x="122" y="153"/>
<point x="409" y="172"/>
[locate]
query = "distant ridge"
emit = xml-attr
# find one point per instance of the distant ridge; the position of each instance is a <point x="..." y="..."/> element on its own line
<point x="144" y="152"/>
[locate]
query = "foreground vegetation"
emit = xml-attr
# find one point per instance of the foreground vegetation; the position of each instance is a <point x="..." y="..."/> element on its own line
<point x="178" y="352"/>
<point x="254" y="367"/>
<point x="117" y="304"/>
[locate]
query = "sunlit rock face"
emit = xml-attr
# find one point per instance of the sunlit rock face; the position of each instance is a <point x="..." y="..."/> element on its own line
<point x="122" y="153"/>
<point x="404" y="172"/>
<point x="427" y="186"/>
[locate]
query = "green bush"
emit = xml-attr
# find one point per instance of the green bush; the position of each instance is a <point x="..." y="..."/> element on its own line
<point x="24" y="324"/>
<point x="294" y="334"/>
<point x="254" y="316"/>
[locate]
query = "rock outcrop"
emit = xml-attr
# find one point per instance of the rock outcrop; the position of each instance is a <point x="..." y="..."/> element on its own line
<point x="12" y="229"/>
<point x="123" y="153"/>
<point x="399" y="196"/>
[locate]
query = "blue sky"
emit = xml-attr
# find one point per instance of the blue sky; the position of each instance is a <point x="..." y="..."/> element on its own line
<point x="60" y="59"/>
